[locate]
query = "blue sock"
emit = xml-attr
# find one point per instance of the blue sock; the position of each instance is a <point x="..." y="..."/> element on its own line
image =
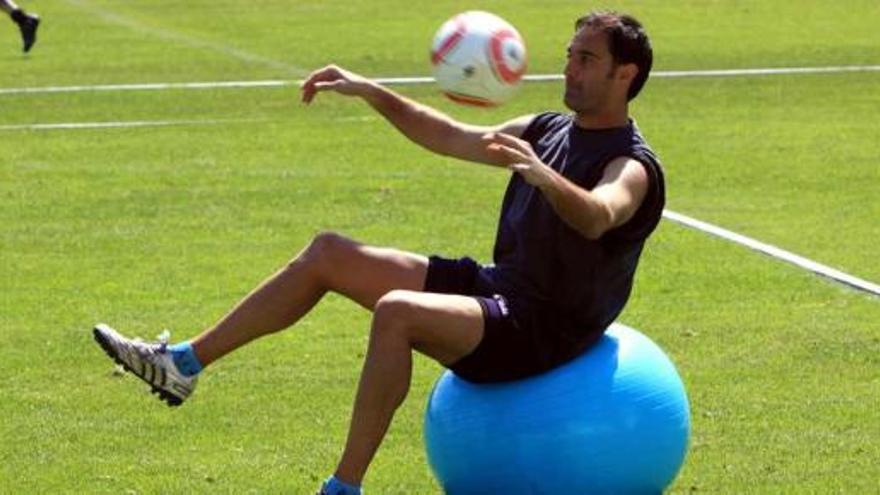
<point x="335" y="487"/>
<point x="185" y="359"/>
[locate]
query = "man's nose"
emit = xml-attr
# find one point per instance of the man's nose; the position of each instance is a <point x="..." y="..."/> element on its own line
<point x="567" y="70"/>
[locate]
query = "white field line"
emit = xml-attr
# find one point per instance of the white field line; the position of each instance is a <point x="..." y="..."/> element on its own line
<point x="768" y="249"/>
<point x="424" y="80"/>
<point x="117" y="125"/>
<point x="708" y="228"/>
<point x="166" y="34"/>
<point x="147" y="87"/>
<point x="775" y="252"/>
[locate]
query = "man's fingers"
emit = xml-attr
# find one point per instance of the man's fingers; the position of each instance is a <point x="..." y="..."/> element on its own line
<point x="321" y="80"/>
<point x="325" y="85"/>
<point x="308" y="91"/>
<point x="515" y="149"/>
<point x="509" y="140"/>
<point x="508" y="153"/>
<point x="489" y="137"/>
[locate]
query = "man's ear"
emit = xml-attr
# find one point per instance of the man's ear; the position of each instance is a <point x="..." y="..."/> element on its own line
<point x="627" y="72"/>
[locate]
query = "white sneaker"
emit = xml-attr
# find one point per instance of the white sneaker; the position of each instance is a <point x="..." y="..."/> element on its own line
<point x="148" y="361"/>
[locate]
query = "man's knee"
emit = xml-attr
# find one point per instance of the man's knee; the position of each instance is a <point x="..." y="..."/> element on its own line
<point x="327" y="249"/>
<point x="394" y="312"/>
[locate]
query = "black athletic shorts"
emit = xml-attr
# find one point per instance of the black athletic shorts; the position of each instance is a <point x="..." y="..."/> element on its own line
<point x="513" y="345"/>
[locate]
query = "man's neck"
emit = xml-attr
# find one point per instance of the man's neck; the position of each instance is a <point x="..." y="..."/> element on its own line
<point x="603" y="120"/>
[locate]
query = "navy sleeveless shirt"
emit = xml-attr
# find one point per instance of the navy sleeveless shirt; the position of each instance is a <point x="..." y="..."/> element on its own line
<point x="574" y="287"/>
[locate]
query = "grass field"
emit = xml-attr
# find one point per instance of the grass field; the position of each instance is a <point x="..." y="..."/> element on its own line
<point x="167" y="226"/>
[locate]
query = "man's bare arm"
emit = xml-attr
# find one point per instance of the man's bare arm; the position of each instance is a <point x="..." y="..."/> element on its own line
<point x="420" y="123"/>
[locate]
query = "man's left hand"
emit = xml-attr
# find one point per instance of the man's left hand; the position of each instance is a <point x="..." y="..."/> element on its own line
<point x="519" y="157"/>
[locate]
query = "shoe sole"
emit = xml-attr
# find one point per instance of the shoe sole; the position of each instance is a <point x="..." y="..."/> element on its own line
<point x="171" y="399"/>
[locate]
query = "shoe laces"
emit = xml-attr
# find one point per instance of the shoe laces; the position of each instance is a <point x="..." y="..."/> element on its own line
<point x="159" y="346"/>
<point x="163" y="339"/>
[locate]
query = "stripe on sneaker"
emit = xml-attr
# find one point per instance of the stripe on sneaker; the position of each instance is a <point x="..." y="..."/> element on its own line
<point x="148" y="363"/>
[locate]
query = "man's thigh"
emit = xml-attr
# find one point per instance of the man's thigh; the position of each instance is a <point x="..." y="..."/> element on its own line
<point x="365" y="273"/>
<point x="446" y="327"/>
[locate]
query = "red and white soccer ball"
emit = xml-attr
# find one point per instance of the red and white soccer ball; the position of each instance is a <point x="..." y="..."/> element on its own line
<point x="479" y="59"/>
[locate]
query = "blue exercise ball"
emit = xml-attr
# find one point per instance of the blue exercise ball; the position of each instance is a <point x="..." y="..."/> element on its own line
<point x="613" y="420"/>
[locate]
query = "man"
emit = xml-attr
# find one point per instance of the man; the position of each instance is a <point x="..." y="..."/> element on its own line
<point x="27" y="23"/>
<point x="585" y="193"/>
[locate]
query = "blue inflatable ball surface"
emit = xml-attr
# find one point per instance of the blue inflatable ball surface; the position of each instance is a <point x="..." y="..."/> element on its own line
<point x="614" y="420"/>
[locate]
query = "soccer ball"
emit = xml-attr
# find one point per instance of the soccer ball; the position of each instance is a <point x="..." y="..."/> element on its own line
<point x="478" y="59"/>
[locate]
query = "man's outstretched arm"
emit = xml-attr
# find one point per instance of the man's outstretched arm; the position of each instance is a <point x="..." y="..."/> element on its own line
<point x="420" y="123"/>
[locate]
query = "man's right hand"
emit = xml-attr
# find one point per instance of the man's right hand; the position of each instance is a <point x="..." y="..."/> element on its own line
<point x="336" y="79"/>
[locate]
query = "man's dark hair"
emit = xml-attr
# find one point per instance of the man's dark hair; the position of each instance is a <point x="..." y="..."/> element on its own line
<point x="627" y="41"/>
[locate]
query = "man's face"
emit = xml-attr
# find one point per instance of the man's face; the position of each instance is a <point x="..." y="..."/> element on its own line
<point x="589" y="72"/>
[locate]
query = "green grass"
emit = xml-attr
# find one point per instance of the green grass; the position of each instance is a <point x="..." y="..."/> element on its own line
<point x="167" y="227"/>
